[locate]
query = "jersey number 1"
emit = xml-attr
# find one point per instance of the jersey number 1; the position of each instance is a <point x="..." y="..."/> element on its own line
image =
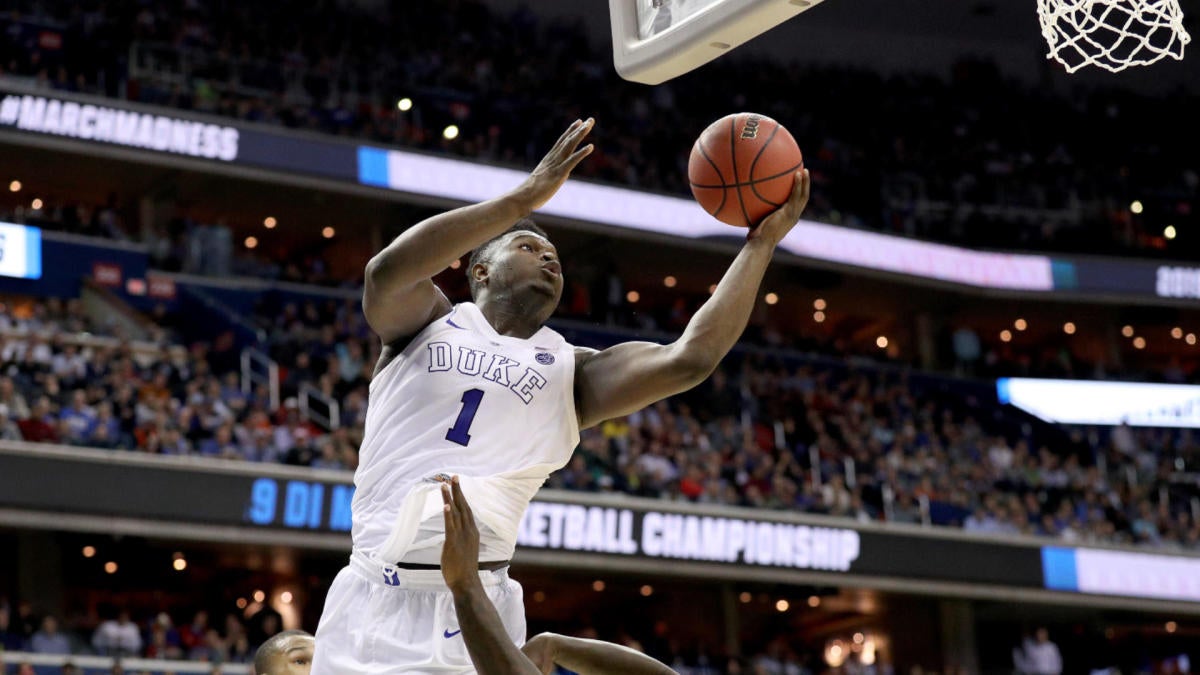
<point x="470" y="400"/>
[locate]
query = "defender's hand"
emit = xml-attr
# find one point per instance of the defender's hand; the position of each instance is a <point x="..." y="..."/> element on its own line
<point x="540" y="650"/>
<point x="555" y="167"/>
<point x="775" y="227"/>
<point x="460" y="553"/>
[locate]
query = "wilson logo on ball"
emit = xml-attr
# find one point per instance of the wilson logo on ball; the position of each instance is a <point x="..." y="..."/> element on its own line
<point x="750" y="130"/>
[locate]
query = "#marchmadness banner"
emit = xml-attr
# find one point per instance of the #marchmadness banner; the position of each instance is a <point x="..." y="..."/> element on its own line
<point x="167" y="132"/>
<point x="57" y="117"/>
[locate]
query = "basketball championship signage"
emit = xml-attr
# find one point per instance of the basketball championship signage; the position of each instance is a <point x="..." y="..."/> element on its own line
<point x="653" y="534"/>
<point x="313" y="505"/>
<point x="216" y="500"/>
<point x="234" y="501"/>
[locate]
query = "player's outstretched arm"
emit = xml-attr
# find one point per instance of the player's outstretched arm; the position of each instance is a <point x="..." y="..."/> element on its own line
<point x="491" y="650"/>
<point x="629" y="376"/>
<point x="399" y="297"/>
<point x="590" y="657"/>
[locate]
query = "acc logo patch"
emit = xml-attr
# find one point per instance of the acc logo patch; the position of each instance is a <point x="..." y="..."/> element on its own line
<point x="544" y="358"/>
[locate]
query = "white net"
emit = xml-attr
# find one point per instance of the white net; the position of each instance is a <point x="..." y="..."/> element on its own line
<point x="1112" y="34"/>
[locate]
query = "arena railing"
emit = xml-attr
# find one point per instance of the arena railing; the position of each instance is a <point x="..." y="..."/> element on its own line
<point x="259" y="369"/>
<point x="330" y="419"/>
<point x="144" y="351"/>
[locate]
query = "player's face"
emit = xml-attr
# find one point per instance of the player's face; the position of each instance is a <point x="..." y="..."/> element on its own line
<point x="295" y="656"/>
<point x="528" y="260"/>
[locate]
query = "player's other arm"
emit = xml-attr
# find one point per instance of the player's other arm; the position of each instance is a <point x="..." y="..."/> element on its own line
<point x="590" y="657"/>
<point x="629" y="376"/>
<point x="399" y="296"/>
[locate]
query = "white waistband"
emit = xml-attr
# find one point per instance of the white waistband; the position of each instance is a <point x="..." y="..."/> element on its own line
<point x="396" y="577"/>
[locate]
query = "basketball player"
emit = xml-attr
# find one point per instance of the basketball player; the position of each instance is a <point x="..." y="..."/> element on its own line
<point x="482" y="389"/>
<point x="491" y="650"/>
<point x="286" y="653"/>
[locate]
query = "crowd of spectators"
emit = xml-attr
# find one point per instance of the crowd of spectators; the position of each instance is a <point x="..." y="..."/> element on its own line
<point x="232" y="638"/>
<point x="971" y="157"/>
<point x="58" y="388"/>
<point x="116" y="632"/>
<point x="767" y="431"/>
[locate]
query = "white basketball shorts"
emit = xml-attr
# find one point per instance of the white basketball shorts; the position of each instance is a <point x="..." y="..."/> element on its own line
<point x="381" y="620"/>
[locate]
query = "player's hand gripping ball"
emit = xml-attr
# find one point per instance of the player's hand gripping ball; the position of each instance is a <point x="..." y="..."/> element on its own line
<point x="743" y="167"/>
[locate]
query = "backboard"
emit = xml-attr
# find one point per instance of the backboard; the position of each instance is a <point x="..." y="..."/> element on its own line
<point x="656" y="40"/>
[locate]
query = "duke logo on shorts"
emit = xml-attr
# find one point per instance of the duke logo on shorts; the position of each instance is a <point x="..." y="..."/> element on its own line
<point x="459" y="399"/>
<point x="391" y="577"/>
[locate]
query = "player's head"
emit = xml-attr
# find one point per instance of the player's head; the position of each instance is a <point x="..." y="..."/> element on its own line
<point x="286" y="653"/>
<point x="521" y="263"/>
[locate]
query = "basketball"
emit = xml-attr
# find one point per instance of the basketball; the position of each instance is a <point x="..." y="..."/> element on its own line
<point x="743" y="167"/>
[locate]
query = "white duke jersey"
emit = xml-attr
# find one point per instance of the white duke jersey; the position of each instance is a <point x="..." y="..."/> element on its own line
<point x="462" y="399"/>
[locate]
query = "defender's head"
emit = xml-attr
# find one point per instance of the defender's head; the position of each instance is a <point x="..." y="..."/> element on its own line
<point x="519" y="266"/>
<point x="286" y="653"/>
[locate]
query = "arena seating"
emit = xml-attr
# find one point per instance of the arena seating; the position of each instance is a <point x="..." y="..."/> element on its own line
<point x="957" y="170"/>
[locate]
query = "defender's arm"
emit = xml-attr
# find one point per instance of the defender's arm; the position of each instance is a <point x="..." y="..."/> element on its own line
<point x="491" y="649"/>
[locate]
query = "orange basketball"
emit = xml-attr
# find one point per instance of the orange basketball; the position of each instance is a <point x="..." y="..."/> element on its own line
<point x="743" y="167"/>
